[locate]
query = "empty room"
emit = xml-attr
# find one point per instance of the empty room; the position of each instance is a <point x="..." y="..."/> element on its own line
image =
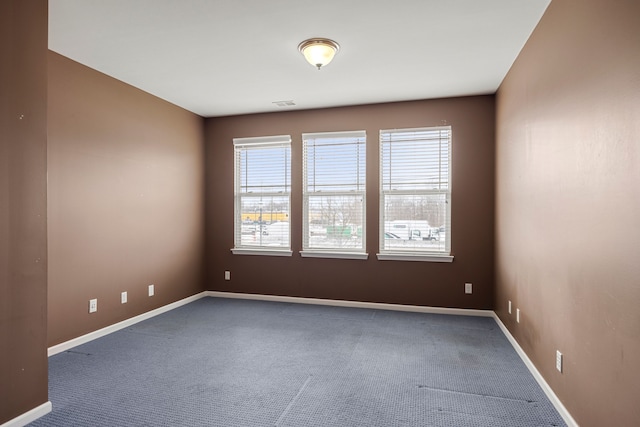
<point x="291" y="213"/>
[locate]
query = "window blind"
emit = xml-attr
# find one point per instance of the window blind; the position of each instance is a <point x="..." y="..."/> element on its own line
<point x="262" y="192"/>
<point x="415" y="184"/>
<point x="334" y="174"/>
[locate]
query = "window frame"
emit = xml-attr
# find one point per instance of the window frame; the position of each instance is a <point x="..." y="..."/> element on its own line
<point x="359" y="137"/>
<point x="413" y="254"/>
<point x="243" y="145"/>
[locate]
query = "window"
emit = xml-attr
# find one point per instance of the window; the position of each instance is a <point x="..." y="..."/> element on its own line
<point x="415" y="194"/>
<point x="334" y="171"/>
<point x="262" y="195"/>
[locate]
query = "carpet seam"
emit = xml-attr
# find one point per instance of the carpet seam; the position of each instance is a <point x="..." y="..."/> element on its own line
<point x="490" y="396"/>
<point x="293" y="401"/>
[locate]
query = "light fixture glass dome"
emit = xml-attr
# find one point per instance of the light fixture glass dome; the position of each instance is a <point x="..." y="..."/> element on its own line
<point x="318" y="52"/>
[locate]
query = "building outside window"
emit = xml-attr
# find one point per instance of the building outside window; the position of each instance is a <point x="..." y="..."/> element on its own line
<point x="415" y="194"/>
<point x="262" y="195"/>
<point x="334" y="174"/>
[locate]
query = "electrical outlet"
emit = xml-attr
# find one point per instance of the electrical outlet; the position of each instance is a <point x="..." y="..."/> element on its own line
<point x="152" y="290"/>
<point x="468" y="288"/>
<point x="123" y="297"/>
<point x="93" y="305"/>
<point x="558" y="361"/>
<point x="518" y="315"/>
<point x="509" y="307"/>
<point x="227" y="275"/>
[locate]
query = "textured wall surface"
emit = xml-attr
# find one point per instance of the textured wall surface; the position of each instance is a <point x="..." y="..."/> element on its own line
<point x="568" y="203"/>
<point x="125" y="200"/>
<point x="23" y="206"/>
<point x="420" y="283"/>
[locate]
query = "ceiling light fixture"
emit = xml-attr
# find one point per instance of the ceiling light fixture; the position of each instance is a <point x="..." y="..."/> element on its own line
<point x="318" y="52"/>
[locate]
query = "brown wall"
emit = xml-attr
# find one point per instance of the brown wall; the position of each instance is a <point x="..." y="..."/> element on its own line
<point x="568" y="205"/>
<point x="125" y="200"/>
<point x="401" y="282"/>
<point x="23" y="206"/>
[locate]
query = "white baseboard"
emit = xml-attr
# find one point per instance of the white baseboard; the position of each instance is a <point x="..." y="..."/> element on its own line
<point x="354" y="304"/>
<point x="566" y="416"/>
<point x="59" y="348"/>
<point x="30" y="416"/>
<point x="420" y="309"/>
<point x="46" y="407"/>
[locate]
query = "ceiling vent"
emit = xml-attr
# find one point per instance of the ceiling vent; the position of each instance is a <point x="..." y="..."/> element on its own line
<point x="284" y="103"/>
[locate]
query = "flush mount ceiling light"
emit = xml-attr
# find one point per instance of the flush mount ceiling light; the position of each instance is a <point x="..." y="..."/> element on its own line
<point x="318" y="52"/>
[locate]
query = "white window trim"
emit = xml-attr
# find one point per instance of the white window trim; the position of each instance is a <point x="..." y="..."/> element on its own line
<point x="268" y="252"/>
<point x="399" y="255"/>
<point x="275" y="141"/>
<point x="430" y="257"/>
<point x="262" y="140"/>
<point x="333" y="255"/>
<point x="308" y="252"/>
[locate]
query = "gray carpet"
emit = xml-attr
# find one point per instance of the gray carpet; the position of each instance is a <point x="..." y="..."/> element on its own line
<point x="241" y="363"/>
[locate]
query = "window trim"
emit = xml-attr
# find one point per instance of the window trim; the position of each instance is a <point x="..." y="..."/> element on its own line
<point x="415" y="255"/>
<point x="261" y="141"/>
<point x="428" y="257"/>
<point x="267" y="252"/>
<point x="337" y="253"/>
<point x="333" y="254"/>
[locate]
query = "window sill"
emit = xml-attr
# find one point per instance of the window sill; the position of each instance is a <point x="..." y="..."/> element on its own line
<point x="334" y="255"/>
<point x="414" y="257"/>
<point x="264" y="252"/>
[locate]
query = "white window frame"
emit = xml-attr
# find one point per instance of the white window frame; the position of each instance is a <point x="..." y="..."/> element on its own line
<point x="245" y="144"/>
<point x="442" y="188"/>
<point x="350" y="137"/>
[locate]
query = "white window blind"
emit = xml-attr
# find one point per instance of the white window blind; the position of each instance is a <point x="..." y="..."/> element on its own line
<point x="415" y="191"/>
<point x="334" y="171"/>
<point x="262" y="192"/>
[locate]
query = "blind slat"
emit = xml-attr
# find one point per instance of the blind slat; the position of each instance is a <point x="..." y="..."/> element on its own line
<point x="415" y="180"/>
<point x="262" y="192"/>
<point x="334" y="174"/>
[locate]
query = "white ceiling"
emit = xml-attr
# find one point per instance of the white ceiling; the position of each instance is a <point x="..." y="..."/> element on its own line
<point x="226" y="57"/>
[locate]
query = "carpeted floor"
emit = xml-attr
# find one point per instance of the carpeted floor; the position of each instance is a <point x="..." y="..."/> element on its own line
<point x="241" y="363"/>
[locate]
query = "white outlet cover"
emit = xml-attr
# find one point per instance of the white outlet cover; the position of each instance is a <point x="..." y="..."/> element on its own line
<point x="558" y="361"/>
<point x="518" y="315"/>
<point x="509" y="307"/>
<point x="123" y="297"/>
<point x="152" y="290"/>
<point x="93" y="305"/>
<point x="227" y="275"/>
<point x="468" y="288"/>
